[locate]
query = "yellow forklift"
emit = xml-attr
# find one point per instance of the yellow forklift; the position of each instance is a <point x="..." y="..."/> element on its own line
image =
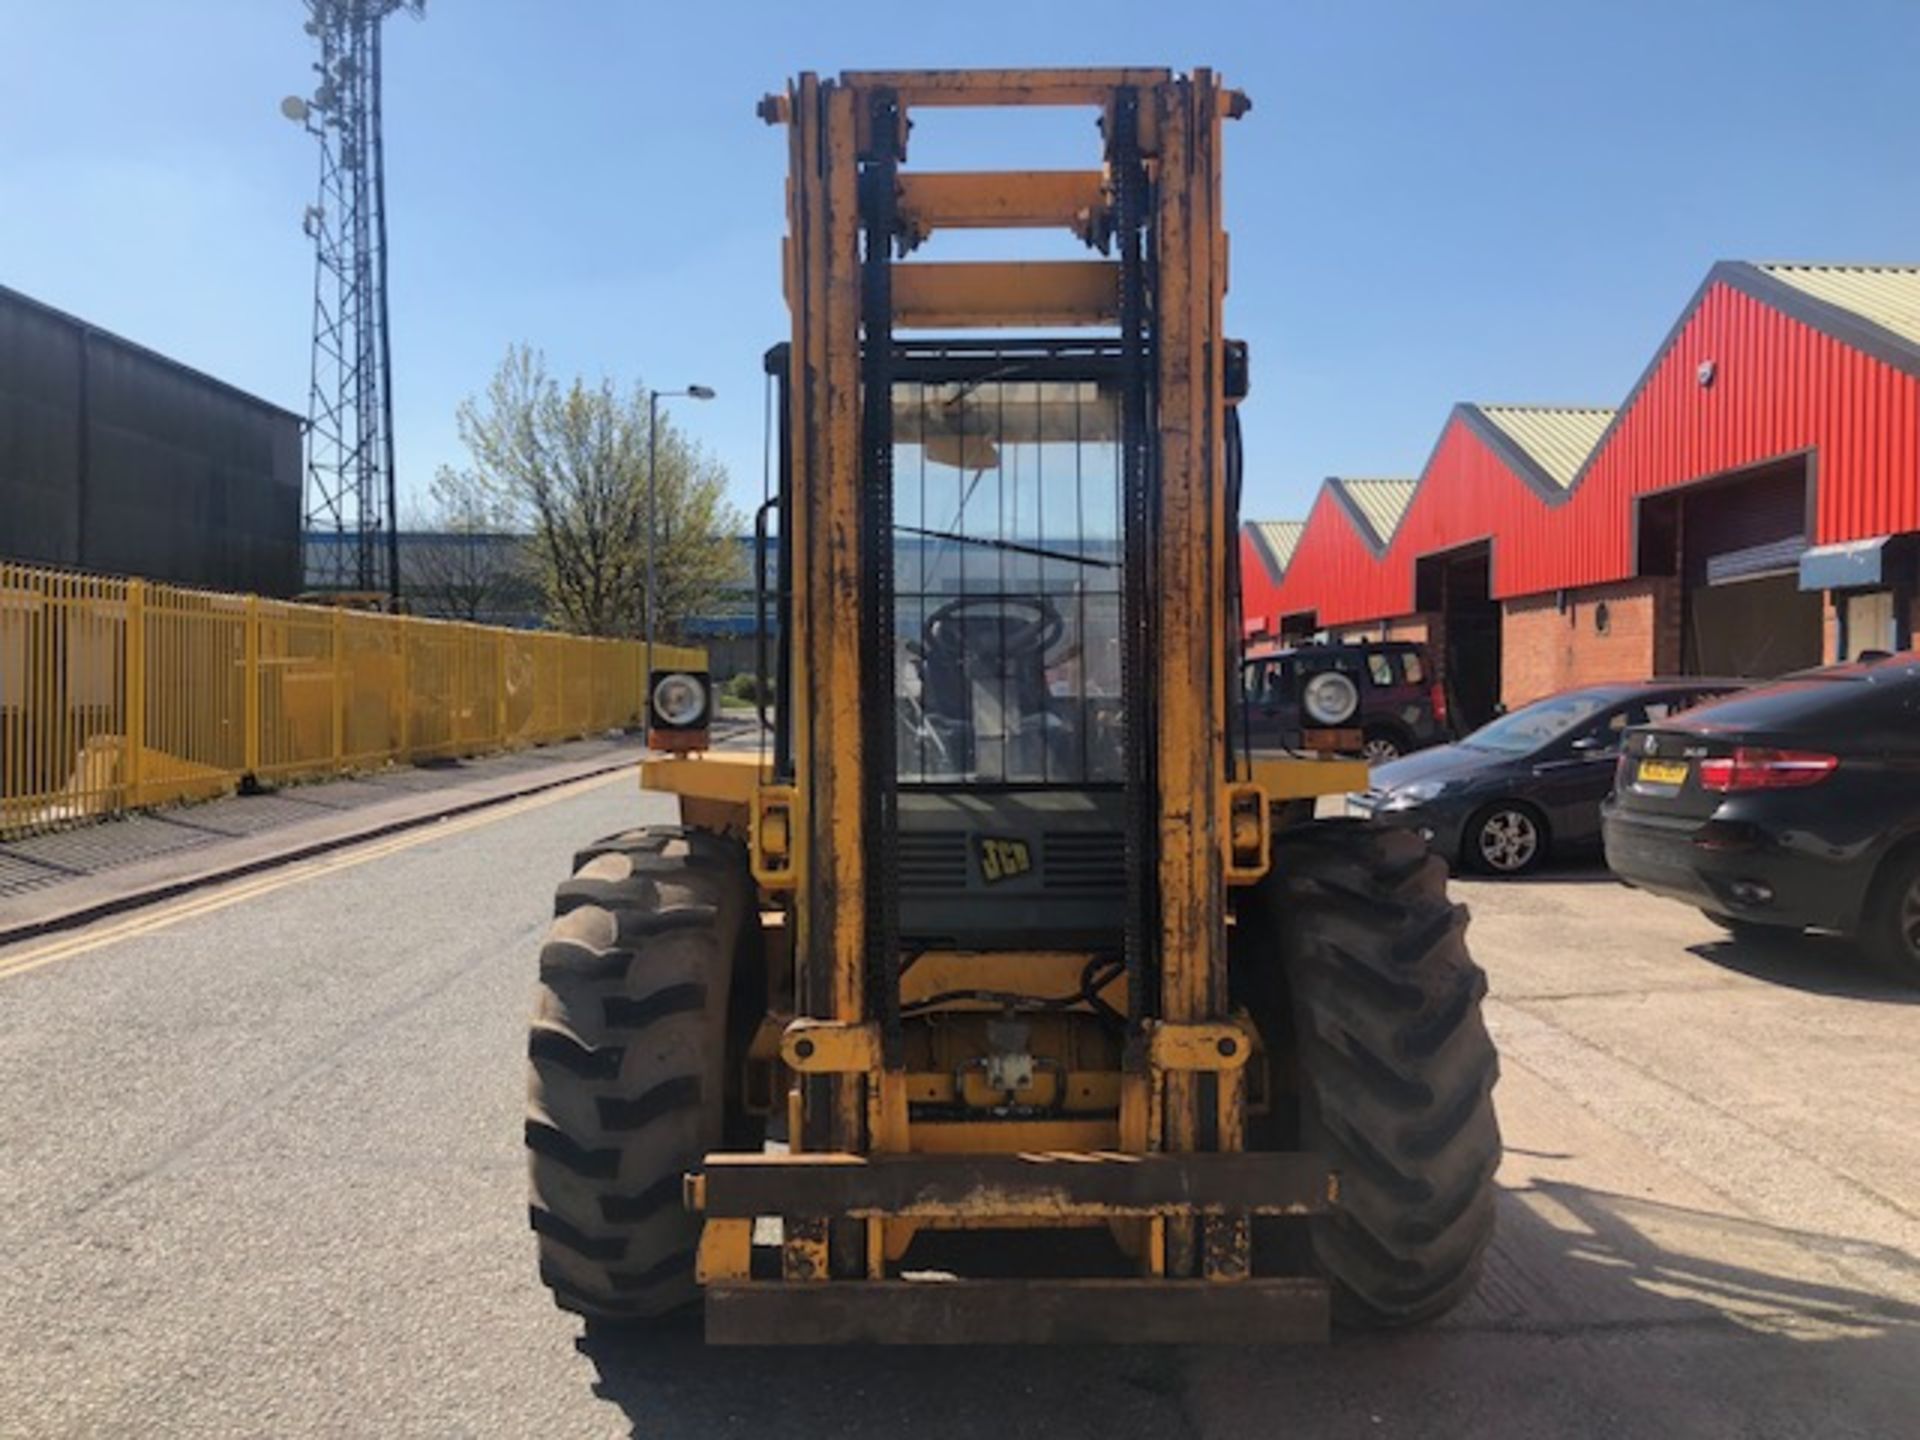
<point x="1006" y="996"/>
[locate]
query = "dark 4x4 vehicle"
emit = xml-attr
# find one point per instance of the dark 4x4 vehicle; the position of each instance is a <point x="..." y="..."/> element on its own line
<point x="1381" y="696"/>
<point x="1793" y="806"/>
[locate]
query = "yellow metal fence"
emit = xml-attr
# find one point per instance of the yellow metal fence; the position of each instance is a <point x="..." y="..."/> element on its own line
<point x="116" y="694"/>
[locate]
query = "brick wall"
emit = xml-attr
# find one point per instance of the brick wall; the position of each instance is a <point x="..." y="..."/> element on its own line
<point x="1419" y="628"/>
<point x="1547" y="645"/>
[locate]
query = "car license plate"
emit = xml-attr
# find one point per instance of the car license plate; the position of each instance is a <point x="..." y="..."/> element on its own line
<point x="1663" y="772"/>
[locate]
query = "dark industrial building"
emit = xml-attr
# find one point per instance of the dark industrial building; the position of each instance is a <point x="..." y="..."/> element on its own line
<point x="1751" y="507"/>
<point x="117" y="460"/>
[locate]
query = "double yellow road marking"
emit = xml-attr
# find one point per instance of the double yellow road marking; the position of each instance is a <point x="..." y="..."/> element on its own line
<point x="147" y="921"/>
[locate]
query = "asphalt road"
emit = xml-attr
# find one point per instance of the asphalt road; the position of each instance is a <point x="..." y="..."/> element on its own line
<point x="260" y="1174"/>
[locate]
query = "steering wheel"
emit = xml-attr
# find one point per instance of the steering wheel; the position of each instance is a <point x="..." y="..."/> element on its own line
<point x="947" y="636"/>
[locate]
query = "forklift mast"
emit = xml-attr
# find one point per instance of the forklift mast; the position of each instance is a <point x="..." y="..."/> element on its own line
<point x="1148" y="299"/>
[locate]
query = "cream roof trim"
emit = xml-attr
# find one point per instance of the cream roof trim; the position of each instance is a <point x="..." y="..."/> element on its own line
<point x="1279" y="538"/>
<point x="1885" y="295"/>
<point x="1381" y="502"/>
<point x="1557" y="438"/>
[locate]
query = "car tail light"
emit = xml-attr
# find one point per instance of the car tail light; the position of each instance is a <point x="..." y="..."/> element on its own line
<point x="1439" y="702"/>
<point x="1753" y="767"/>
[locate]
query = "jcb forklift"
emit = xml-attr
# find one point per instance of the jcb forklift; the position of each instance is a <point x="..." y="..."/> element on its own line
<point x="1007" y="997"/>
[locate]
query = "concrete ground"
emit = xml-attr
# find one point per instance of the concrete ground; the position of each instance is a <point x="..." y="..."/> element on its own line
<point x="260" y="1173"/>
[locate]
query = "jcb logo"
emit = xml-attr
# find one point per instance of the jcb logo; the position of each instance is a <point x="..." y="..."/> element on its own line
<point x="1003" y="859"/>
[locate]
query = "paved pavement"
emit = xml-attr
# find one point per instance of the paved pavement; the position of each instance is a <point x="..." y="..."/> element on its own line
<point x="177" y="838"/>
<point x="260" y="1173"/>
<point x="62" y="878"/>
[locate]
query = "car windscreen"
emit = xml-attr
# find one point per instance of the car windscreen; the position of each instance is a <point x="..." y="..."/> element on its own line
<point x="1540" y="723"/>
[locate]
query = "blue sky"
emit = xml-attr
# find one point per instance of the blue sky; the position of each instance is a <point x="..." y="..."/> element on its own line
<point x="1430" y="202"/>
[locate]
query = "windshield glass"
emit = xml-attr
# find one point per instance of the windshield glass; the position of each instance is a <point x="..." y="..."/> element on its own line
<point x="1007" y="582"/>
<point x="1537" y="724"/>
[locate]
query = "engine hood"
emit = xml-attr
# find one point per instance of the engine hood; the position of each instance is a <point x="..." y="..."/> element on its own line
<point x="1441" y="763"/>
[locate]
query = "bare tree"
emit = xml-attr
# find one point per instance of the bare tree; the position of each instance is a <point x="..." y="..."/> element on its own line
<point x="464" y="559"/>
<point x="570" y="467"/>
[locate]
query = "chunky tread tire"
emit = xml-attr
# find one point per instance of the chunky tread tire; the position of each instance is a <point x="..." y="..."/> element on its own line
<point x="1394" y="1067"/>
<point x="628" y="1064"/>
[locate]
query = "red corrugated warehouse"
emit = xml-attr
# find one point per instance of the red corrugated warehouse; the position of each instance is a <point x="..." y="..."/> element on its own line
<point x="1750" y="508"/>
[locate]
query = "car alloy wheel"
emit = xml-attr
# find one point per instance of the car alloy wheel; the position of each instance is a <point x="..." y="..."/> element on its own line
<point x="1380" y="749"/>
<point x="1508" y="841"/>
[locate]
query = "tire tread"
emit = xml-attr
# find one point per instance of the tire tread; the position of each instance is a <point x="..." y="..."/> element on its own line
<point x="1382" y="1004"/>
<point x="627" y="1056"/>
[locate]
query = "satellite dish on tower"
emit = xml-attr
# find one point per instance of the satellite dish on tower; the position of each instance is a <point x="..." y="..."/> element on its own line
<point x="295" y="109"/>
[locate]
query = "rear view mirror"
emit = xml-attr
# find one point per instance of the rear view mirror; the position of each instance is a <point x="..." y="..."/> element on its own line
<point x="1592" y="744"/>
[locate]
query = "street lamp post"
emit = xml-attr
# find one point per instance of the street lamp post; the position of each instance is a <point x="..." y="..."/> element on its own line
<point x="692" y="392"/>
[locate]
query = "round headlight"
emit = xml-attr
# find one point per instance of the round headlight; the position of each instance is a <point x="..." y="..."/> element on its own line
<point x="1330" y="698"/>
<point x="679" y="699"/>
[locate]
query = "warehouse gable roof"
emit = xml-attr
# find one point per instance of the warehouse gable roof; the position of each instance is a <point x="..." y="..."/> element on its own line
<point x="1275" y="541"/>
<point x="1883" y="295"/>
<point x="1378" y="504"/>
<point x="1553" y="488"/>
<point x="1556" y="438"/>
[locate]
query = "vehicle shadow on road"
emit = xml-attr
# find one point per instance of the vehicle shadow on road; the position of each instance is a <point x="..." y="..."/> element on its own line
<point x="1750" y="1271"/>
<point x="1818" y="964"/>
<point x="1680" y="1321"/>
<point x="669" y="1383"/>
<point x="1601" y="1315"/>
<point x="1573" y="870"/>
<point x="1561" y="872"/>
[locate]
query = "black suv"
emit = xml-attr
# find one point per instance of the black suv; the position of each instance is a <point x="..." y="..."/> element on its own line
<point x="1382" y="696"/>
<point x="1793" y="806"/>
